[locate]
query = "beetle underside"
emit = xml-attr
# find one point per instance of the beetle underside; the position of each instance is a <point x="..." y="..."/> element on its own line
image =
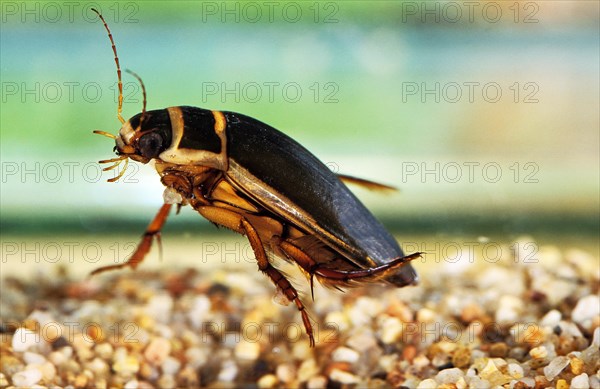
<point x="210" y="193"/>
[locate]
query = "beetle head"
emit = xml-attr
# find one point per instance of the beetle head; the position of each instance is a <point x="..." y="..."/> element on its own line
<point x="144" y="136"/>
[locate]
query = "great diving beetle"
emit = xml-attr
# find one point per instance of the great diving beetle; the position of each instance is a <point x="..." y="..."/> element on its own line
<point x="245" y="175"/>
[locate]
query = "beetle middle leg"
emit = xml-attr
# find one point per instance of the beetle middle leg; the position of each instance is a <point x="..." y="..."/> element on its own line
<point x="143" y="247"/>
<point x="240" y="224"/>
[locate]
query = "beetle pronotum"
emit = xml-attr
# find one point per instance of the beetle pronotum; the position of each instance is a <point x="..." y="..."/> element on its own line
<point x="242" y="174"/>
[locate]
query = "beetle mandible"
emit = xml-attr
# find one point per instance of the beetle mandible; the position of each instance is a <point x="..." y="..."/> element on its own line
<point x="247" y="176"/>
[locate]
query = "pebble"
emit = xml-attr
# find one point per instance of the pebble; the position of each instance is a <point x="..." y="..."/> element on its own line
<point x="3" y="380"/>
<point x="551" y="319"/>
<point x="23" y="339"/>
<point x="104" y="350"/>
<point x="126" y="366"/>
<point x="33" y="358"/>
<point x="515" y="370"/>
<point x="494" y="376"/>
<point x="343" y="377"/>
<point x="509" y="310"/>
<point x="157" y="351"/>
<point x="427" y="384"/>
<point x="307" y="370"/>
<point x="586" y="310"/>
<point x="267" y="381"/>
<point x="229" y="371"/>
<point x="26" y="378"/>
<point x="539" y="352"/>
<point x="286" y="372"/>
<point x="159" y="307"/>
<point x="555" y="367"/>
<point x="391" y="329"/>
<point x="317" y="382"/>
<point x="247" y="350"/>
<point x="170" y="365"/>
<point x="581" y="381"/>
<point x="461" y="357"/>
<point x="576" y="365"/>
<point x="345" y="354"/>
<point x="562" y="384"/>
<point x="449" y="376"/>
<point x="199" y="311"/>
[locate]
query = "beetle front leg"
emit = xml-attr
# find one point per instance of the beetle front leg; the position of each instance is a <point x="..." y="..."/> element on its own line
<point x="144" y="246"/>
<point x="240" y="224"/>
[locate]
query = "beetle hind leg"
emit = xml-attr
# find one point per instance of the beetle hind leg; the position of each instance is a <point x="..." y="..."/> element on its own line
<point x="334" y="277"/>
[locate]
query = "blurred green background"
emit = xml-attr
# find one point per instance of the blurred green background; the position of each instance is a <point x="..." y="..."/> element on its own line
<point x="484" y="114"/>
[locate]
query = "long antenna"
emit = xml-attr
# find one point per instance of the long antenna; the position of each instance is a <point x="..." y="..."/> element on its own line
<point x="114" y="48"/>
<point x="134" y="74"/>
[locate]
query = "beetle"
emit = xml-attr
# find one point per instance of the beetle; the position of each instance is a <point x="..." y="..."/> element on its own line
<point x="245" y="175"/>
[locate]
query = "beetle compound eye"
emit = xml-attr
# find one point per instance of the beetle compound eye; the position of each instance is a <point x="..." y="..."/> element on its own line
<point x="150" y="145"/>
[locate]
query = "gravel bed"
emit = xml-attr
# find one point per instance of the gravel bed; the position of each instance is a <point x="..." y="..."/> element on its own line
<point x="470" y="324"/>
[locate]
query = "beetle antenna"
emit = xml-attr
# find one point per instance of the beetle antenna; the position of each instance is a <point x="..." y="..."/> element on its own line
<point x="114" y="48"/>
<point x="134" y="74"/>
<point x="104" y="133"/>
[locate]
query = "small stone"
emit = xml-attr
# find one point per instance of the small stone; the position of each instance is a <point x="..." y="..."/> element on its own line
<point x="425" y="315"/>
<point x="286" y="372"/>
<point x="493" y="375"/>
<point x="104" y="350"/>
<point x="576" y="366"/>
<point x="391" y="330"/>
<point x="126" y="366"/>
<point x="3" y="380"/>
<point x="23" y="339"/>
<point x="515" y="370"/>
<point x="343" y="377"/>
<point x="26" y="378"/>
<point x="345" y="354"/>
<point x="427" y="384"/>
<point x="199" y="311"/>
<point x="33" y="358"/>
<point x="551" y="319"/>
<point x="499" y="350"/>
<point x="48" y="371"/>
<point x="461" y="357"/>
<point x="157" y="351"/>
<point x="267" y="381"/>
<point x="555" y="367"/>
<point x="509" y="310"/>
<point x="81" y="381"/>
<point x="449" y="376"/>
<point x="159" y="307"/>
<point x="247" y="350"/>
<point x="166" y="381"/>
<point x="10" y="365"/>
<point x="308" y="369"/>
<point x="586" y="310"/>
<point x="539" y="352"/>
<point x="98" y="366"/>
<point x="362" y="341"/>
<point x="562" y="384"/>
<point x="228" y="372"/>
<point x="582" y="381"/>
<point x="171" y="365"/>
<point x="471" y="312"/>
<point x="317" y="382"/>
<point x="196" y="356"/>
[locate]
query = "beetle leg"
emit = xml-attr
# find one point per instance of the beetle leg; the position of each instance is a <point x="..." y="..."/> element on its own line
<point x="240" y="224"/>
<point x="143" y="247"/>
<point x="313" y="268"/>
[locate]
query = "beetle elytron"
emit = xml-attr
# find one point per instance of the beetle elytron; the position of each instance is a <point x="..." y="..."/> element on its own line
<point x="242" y="174"/>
